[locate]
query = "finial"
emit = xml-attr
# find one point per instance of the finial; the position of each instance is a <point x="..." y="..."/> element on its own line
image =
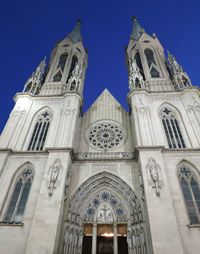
<point x="134" y="18"/>
<point x="78" y="22"/>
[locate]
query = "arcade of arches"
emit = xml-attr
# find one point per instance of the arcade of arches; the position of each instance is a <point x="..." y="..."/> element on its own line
<point x="105" y="216"/>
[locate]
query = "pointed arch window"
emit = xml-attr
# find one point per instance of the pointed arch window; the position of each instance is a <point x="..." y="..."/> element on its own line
<point x="172" y="129"/>
<point x="190" y="187"/>
<point x="60" y="68"/>
<point x="154" y="70"/>
<point x="16" y="207"/>
<point x="40" y="132"/>
<point x="139" y="63"/>
<point x="73" y="64"/>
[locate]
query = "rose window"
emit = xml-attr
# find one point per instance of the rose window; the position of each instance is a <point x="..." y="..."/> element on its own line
<point x="105" y="135"/>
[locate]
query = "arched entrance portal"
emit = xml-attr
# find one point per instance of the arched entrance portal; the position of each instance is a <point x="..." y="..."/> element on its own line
<point x="105" y="217"/>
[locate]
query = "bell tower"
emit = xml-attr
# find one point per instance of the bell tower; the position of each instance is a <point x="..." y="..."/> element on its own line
<point x="160" y="95"/>
<point x="67" y="66"/>
<point x="146" y="61"/>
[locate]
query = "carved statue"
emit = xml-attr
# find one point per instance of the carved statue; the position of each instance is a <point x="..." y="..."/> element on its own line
<point x="105" y="214"/>
<point x="54" y="172"/>
<point x="153" y="167"/>
<point x="134" y="67"/>
<point x="77" y="70"/>
<point x="75" y="80"/>
<point x="135" y="77"/>
<point x="129" y="240"/>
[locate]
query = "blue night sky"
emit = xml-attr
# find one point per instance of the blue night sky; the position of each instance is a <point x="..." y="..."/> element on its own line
<point x="30" y="29"/>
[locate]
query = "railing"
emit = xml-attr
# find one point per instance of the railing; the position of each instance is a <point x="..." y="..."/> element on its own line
<point x="104" y="156"/>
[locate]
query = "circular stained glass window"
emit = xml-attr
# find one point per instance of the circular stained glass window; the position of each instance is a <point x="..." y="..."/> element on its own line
<point x="106" y="135"/>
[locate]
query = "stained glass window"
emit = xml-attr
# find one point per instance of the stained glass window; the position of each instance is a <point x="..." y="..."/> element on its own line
<point x="191" y="192"/>
<point x="19" y="197"/>
<point x="40" y="132"/>
<point x="172" y="129"/>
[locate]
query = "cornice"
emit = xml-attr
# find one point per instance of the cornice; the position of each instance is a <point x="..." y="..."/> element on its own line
<point x="38" y="97"/>
<point x="45" y="152"/>
<point x="173" y="92"/>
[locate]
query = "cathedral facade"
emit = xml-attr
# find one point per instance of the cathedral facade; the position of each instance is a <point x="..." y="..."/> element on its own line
<point x="106" y="181"/>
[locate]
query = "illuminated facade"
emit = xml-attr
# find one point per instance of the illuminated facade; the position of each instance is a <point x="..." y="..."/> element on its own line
<point x="106" y="181"/>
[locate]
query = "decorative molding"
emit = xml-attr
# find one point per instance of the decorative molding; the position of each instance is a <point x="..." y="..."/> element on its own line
<point x="106" y="135"/>
<point x="17" y="113"/>
<point x="68" y="110"/>
<point x="105" y="207"/>
<point x="105" y="156"/>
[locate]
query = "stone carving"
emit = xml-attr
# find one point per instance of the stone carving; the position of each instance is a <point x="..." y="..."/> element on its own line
<point x="68" y="110"/>
<point x="197" y="107"/>
<point x="105" y="214"/>
<point x="33" y="83"/>
<point x="75" y="80"/>
<point x="136" y="80"/>
<point x="105" y="155"/>
<point x="194" y="107"/>
<point x="103" y="206"/>
<point x="179" y="76"/>
<point x="54" y="173"/>
<point x="154" y="175"/>
<point x="105" y="135"/>
<point x="100" y="183"/>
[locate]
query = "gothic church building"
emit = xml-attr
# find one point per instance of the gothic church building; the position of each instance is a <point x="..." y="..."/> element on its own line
<point x="106" y="181"/>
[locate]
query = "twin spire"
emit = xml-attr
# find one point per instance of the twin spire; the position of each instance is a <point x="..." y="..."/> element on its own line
<point x="137" y="30"/>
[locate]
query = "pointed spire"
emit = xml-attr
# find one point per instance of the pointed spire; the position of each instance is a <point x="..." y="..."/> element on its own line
<point x="75" y="35"/>
<point x="137" y="30"/>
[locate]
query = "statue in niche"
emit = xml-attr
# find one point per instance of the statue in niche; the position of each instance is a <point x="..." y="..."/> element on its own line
<point x="54" y="172"/>
<point x="77" y="70"/>
<point x="135" y="78"/>
<point x="105" y="214"/>
<point x="129" y="240"/>
<point x="153" y="169"/>
<point x="75" y="78"/>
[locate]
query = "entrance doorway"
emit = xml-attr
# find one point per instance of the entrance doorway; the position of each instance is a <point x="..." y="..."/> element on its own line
<point x="105" y="239"/>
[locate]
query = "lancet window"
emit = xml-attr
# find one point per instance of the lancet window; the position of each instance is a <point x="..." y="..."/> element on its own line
<point x="40" y="132"/>
<point x="154" y="70"/>
<point x="16" y="207"/>
<point x="73" y="64"/>
<point x="139" y="63"/>
<point x="60" y="68"/>
<point x="172" y="129"/>
<point x="191" y="192"/>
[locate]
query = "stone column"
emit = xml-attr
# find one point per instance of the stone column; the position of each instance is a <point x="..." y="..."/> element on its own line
<point x="94" y="238"/>
<point x="115" y="243"/>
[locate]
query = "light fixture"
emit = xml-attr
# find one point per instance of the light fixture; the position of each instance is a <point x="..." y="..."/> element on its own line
<point x="107" y="234"/>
